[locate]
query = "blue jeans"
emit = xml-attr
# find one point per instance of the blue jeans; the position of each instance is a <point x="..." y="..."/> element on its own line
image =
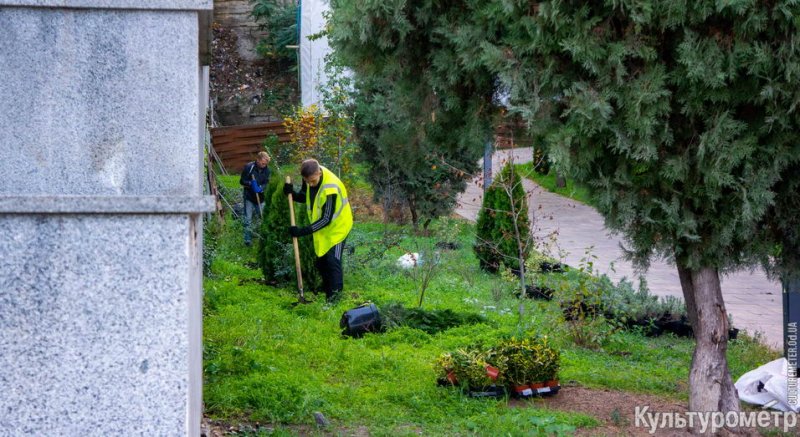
<point x="250" y="209"/>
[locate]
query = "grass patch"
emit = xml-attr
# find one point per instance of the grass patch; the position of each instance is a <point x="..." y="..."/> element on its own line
<point x="572" y="190"/>
<point x="269" y="362"/>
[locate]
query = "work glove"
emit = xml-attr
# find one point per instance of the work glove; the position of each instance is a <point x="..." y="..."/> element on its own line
<point x="288" y="188"/>
<point x="255" y="187"/>
<point x="294" y="231"/>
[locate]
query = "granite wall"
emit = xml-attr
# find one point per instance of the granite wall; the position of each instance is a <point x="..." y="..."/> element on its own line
<point x="100" y="217"/>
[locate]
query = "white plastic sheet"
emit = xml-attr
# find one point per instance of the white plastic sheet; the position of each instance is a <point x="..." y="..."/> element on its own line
<point x="409" y="260"/>
<point x="773" y="380"/>
<point x="312" y="53"/>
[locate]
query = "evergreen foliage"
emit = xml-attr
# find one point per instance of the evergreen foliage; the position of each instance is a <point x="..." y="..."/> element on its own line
<point x="395" y="315"/>
<point x="275" y="251"/>
<point x="680" y="116"/>
<point x="421" y="134"/>
<point x="782" y="225"/>
<point x="503" y="224"/>
<point x="279" y="19"/>
<point x="410" y="160"/>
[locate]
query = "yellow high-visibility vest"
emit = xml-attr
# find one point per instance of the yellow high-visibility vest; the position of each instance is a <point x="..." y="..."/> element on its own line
<point x="342" y="220"/>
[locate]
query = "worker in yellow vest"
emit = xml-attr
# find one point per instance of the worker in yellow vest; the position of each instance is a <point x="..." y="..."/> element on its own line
<point x="331" y="220"/>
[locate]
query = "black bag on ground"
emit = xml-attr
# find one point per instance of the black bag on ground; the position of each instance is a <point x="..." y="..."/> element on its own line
<point x="357" y="321"/>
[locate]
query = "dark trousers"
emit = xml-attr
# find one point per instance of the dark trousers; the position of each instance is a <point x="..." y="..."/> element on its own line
<point x="330" y="268"/>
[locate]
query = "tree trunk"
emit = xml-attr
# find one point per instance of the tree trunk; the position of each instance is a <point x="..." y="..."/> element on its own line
<point x="685" y="276"/>
<point x="710" y="384"/>
<point x="487" y="164"/>
<point x="387" y="204"/>
<point x="412" y="207"/>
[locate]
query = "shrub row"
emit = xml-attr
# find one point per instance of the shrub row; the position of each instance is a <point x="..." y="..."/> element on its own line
<point x="581" y="295"/>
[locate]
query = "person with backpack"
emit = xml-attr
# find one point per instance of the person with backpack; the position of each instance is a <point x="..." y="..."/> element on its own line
<point x="255" y="176"/>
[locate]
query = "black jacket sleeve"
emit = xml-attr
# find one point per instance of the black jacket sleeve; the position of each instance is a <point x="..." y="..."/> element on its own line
<point x="244" y="179"/>
<point x="300" y="197"/>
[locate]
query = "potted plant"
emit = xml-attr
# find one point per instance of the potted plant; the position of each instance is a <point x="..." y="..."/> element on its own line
<point x="548" y="359"/>
<point x="497" y="366"/>
<point x="469" y="368"/>
<point x="446" y="369"/>
<point x="529" y="366"/>
<point x="475" y="374"/>
<point x="482" y="378"/>
<point x="733" y="333"/>
<point x="519" y="365"/>
<point x="544" y="373"/>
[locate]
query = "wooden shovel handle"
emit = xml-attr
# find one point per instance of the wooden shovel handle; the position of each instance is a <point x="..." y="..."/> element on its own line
<point x="258" y="200"/>
<point x="294" y="241"/>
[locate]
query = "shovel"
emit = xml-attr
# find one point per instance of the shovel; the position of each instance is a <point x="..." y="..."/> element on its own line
<point x="296" y="249"/>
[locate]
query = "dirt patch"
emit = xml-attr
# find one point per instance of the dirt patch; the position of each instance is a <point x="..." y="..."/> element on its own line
<point x="364" y="206"/>
<point x="214" y="428"/>
<point x="248" y="92"/>
<point x="614" y="409"/>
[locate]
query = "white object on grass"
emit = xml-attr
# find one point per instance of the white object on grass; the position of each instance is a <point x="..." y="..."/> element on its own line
<point x="774" y="381"/>
<point x="409" y="260"/>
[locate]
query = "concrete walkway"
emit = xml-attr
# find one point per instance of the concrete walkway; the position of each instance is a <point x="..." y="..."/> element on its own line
<point x="753" y="300"/>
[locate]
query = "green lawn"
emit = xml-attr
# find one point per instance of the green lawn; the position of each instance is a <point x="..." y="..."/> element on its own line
<point x="267" y="361"/>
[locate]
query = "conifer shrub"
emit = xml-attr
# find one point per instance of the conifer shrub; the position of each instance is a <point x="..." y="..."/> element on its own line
<point x="503" y="228"/>
<point x="276" y="254"/>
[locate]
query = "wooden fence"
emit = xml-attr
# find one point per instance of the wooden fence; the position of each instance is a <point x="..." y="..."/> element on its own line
<point x="508" y="135"/>
<point x="238" y="145"/>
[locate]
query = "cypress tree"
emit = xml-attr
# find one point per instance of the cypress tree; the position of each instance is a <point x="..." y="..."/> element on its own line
<point x="411" y="154"/>
<point x="503" y="227"/>
<point x="680" y="116"/>
<point x="275" y="250"/>
<point x="421" y="121"/>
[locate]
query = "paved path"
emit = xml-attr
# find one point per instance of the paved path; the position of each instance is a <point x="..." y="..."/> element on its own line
<point x="752" y="299"/>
